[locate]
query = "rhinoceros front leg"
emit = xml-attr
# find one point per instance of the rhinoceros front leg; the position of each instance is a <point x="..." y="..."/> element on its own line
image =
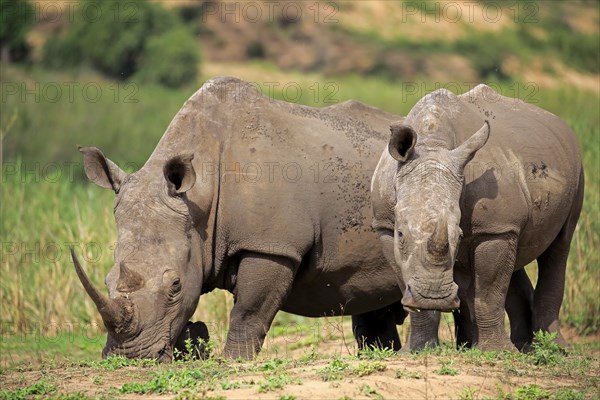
<point x="494" y="261"/>
<point x="262" y="285"/>
<point x="423" y="331"/>
<point x="519" y="307"/>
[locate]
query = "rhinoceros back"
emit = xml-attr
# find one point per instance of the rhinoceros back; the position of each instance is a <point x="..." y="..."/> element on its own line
<point x="292" y="181"/>
<point x="527" y="174"/>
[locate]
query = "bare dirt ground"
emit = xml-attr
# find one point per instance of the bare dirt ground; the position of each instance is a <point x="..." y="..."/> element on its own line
<point x="325" y="370"/>
<point x="422" y="383"/>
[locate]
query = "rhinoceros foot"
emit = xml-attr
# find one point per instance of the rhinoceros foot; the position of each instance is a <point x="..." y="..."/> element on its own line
<point x="197" y="332"/>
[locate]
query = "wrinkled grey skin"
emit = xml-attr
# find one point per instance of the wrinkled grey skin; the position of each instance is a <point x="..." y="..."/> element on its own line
<point x="424" y="324"/>
<point x="468" y="202"/>
<point x="266" y="199"/>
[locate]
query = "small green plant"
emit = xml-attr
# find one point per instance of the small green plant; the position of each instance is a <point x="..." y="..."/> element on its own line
<point x="545" y="349"/>
<point x="72" y="396"/>
<point x="568" y="394"/>
<point x="365" y="368"/>
<point x="531" y="392"/>
<point x="502" y="394"/>
<point x="117" y="362"/>
<point x="193" y="396"/>
<point x="311" y="356"/>
<point x="43" y="387"/>
<point x="193" y="351"/>
<point x="177" y="380"/>
<point x="408" y="374"/>
<point x="369" y="391"/>
<point x="334" y="371"/>
<point x="376" y="353"/>
<point x="287" y="397"/>
<point x="276" y="382"/>
<point x="446" y="368"/>
<point x="97" y="380"/>
<point x="227" y="385"/>
<point x="468" y="394"/>
<point x="274" y="365"/>
<point x="477" y="357"/>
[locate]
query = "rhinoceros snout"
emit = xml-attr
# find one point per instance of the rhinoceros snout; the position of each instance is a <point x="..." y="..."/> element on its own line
<point x="415" y="300"/>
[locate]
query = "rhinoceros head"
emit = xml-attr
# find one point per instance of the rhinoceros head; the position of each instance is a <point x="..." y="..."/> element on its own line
<point x="428" y="185"/>
<point x="155" y="283"/>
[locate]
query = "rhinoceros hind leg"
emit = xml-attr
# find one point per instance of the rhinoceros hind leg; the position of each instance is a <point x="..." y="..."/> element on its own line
<point x="552" y="263"/>
<point x="377" y="328"/>
<point x="463" y="326"/>
<point x="519" y="307"/>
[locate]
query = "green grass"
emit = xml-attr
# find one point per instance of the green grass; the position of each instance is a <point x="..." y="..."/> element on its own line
<point x="576" y="372"/>
<point x="365" y="368"/>
<point x="57" y="110"/>
<point x="400" y="374"/>
<point x="367" y="390"/>
<point x="40" y="388"/>
<point x="276" y="382"/>
<point x="446" y="368"/>
<point x="46" y="207"/>
<point x="545" y="349"/>
<point x="376" y="353"/>
<point x="335" y="371"/>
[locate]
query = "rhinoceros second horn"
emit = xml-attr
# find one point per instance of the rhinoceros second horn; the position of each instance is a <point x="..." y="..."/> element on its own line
<point x="437" y="244"/>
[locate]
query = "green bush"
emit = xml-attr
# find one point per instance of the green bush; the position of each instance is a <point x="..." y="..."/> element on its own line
<point x="120" y="39"/>
<point x="16" y="19"/>
<point x="170" y="59"/>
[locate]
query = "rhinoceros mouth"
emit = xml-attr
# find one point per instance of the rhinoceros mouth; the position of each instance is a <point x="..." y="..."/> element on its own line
<point x="436" y="288"/>
<point x="161" y="350"/>
<point x="415" y="301"/>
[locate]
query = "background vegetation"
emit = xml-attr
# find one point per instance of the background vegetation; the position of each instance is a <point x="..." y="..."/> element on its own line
<point x="118" y="87"/>
<point x="16" y="19"/>
<point x="124" y="39"/>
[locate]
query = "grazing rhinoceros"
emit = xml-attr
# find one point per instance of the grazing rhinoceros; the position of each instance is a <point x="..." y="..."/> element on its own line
<point x="516" y="199"/>
<point x="266" y="199"/>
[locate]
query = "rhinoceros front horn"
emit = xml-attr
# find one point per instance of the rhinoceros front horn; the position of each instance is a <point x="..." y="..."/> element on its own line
<point x="113" y="314"/>
<point x="437" y="245"/>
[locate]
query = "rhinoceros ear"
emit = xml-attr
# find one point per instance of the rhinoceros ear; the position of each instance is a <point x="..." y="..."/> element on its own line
<point x="179" y="174"/>
<point x="101" y="170"/>
<point x="466" y="151"/>
<point x="402" y="142"/>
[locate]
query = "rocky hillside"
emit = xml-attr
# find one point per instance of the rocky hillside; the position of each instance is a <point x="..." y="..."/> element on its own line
<point x="548" y="42"/>
<point x="545" y="41"/>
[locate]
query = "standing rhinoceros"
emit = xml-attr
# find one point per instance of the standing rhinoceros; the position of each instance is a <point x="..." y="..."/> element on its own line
<point x="453" y="208"/>
<point x="266" y="199"/>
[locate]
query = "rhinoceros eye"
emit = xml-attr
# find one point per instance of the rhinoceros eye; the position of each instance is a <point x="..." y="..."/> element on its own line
<point x="176" y="284"/>
<point x="400" y="235"/>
